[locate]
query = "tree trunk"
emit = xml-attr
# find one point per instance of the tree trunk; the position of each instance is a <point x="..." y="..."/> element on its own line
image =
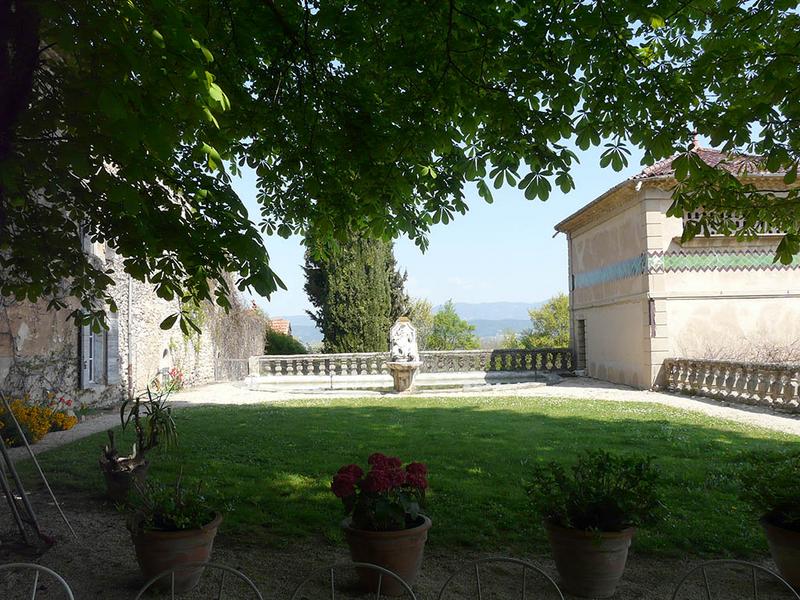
<point x="19" y="58"/>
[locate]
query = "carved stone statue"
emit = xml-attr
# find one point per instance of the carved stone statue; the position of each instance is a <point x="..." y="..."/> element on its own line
<point x="403" y="354"/>
<point x="403" y="341"/>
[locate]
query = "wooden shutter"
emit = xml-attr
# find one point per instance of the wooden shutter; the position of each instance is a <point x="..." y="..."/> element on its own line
<point x="84" y="356"/>
<point x="112" y="350"/>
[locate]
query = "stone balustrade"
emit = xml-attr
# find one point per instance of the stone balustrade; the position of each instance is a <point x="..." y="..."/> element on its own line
<point x="433" y="361"/>
<point x="772" y="385"/>
<point x="456" y="361"/>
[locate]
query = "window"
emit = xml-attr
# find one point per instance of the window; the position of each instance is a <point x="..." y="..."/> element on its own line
<point x="93" y="357"/>
<point x="738" y="222"/>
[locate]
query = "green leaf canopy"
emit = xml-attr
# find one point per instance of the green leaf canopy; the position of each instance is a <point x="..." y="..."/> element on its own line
<point x="124" y="122"/>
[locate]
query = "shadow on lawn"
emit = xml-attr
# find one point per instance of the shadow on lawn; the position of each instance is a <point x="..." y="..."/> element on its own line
<point x="271" y="465"/>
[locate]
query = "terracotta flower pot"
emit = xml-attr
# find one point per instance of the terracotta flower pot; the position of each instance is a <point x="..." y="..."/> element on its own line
<point x="119" y="483"/>
<point x="157" y="551"/>
<point x="590" y="563"/>
<point x="398" y="551"/>
<point x="784" y="546"/>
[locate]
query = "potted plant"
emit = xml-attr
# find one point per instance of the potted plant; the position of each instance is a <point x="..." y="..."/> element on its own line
<point x="590" y="514"/>
<point x="384" y="525"/>
<point x="171" y="526"/>
<point x="771" y="485"/>
<point x="151" y="417"/>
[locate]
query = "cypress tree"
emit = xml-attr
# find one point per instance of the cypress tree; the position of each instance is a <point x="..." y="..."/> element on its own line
<point x="357" y="293"/>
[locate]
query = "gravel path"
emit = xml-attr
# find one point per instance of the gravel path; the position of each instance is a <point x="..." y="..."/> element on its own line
<point x="580" y="388"/>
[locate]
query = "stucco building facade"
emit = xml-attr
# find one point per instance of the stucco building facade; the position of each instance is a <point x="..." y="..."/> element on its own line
<point x="638" y="295"/>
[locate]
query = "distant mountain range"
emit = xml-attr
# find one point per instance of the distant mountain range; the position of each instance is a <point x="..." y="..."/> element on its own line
<point x="493" y="311"/>
<point x="490" y="319"/>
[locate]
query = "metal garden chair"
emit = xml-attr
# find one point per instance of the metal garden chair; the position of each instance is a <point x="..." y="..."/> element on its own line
<point x="525" y="567"/>
<point x="362" y="569"/>
<point x="39" y="570"/>
<point x="224" y="572"/>
<point x="753" y="576"/>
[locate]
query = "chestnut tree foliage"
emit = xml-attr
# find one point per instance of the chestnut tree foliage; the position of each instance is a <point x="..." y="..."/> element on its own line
<point x="125" y="121"/>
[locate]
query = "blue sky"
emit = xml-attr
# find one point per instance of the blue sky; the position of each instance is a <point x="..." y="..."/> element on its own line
<point x="503" y="251"/>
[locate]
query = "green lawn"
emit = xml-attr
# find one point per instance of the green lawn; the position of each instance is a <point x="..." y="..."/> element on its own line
<point x="271" y="465"/>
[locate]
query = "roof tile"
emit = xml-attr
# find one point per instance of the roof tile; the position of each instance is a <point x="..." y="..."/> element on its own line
<point x="738" y="164"/>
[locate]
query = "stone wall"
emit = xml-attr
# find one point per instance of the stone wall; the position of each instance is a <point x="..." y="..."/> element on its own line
<point x="38" y="350"/>
<point x="146" y="350"/>
<point x="41" y="350"/>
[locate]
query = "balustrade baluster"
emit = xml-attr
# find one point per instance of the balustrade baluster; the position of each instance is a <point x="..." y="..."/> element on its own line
<point x="793" y="401"/>
<point x="736" y="382"/>
<point x="783" y="394"/>
<point x="687" y="377"/>
<point x="677" y="381"/>
<point x="703" y="384"/>
<point x="773" y="391"/>
<point x="760" y="386"/>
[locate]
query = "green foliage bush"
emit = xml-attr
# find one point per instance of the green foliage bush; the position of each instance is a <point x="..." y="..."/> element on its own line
<point x="280" y="343"/>
<point x="603" y="492"/>
<point x="771" y="485"/>
<point x="451" y="332"/>
<point x="155" y="506"/>
<point x="549" y="325"/>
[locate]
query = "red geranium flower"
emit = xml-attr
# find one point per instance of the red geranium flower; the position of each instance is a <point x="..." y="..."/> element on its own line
<point x="388" y="498"/>
<point x="377" y="460"/>
<point x="417" y="468"/>
<point x="417" y="481"/>
<point x="381" y="461"/>
<point x="377" y="481"/>
<point x="397" y="477"/>
<point x="353" y="471"/>
<point x="343" y="486"/>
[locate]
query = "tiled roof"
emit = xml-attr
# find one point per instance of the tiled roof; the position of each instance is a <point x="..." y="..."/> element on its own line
<point x="280" y="326"/>
<point x="737" y="164"/>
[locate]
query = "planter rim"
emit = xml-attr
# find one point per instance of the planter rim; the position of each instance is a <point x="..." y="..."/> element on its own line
<point x="157" y="533"/>
<point x="104" y="466"/>
<point x="424" y="526"/>
<point x="582" y="533"/>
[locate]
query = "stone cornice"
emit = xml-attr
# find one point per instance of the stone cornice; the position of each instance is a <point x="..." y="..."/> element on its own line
<point x="625" y="191"/>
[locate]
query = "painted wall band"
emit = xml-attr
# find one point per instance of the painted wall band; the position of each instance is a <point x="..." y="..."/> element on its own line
<point x="679" y="261"/>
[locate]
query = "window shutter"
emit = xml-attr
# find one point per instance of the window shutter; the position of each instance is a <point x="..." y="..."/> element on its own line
<point x="84" y="354"/>
<point x="112" y="350"/>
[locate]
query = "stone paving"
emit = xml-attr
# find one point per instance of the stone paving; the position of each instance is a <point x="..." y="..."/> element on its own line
<point x="579" y="388"/>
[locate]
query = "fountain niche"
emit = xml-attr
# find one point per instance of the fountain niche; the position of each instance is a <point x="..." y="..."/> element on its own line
<point x="404" y="361"/>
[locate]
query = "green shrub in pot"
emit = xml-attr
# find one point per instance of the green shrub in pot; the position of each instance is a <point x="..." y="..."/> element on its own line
<point x="770" y="483"/>
<point x="171" y="525"/>
<point x="590" y="512"/>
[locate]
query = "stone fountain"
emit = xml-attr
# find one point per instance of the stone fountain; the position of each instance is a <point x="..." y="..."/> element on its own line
<point x="404" y="359"/>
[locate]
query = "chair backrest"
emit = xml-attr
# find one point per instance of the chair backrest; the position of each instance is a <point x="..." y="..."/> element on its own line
<point x="753" y="573"/>
<point x="475" y="568"/>
<point x="36" y="572"/>
<point x="223" y="571"/>
<point x="374" y="573"/>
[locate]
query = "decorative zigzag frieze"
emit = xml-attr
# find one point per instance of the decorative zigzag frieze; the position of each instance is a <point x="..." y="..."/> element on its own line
<point x="682" y="261"/>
